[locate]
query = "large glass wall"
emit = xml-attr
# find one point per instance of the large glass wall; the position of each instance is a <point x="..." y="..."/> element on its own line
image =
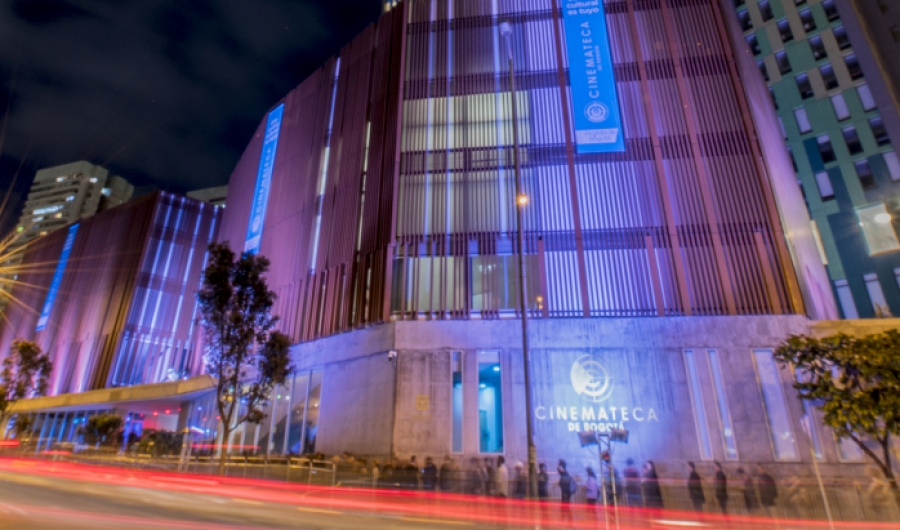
<point x="490" y="403"/>
<point x="776" y="409"/>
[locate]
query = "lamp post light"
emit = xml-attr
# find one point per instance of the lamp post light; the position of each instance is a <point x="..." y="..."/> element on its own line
<point x="521" y="202"/>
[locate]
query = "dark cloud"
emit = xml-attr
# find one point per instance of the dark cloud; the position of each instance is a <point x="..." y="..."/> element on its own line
<point x="161" y="92"/>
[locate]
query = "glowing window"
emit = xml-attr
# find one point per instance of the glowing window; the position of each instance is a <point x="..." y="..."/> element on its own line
<point x="490" y="403"/>
<point x="457" y="397"/>
<point x="878" y="229"/>
<point x="776" y="409"/>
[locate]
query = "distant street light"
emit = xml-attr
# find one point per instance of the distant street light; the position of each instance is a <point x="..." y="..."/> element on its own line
<point x="521" y="201"/>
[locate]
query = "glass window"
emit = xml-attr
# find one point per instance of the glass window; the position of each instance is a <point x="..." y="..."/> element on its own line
<point x="299" y="391"/>
<point x="753" y="42"/>
<point x="803" y="86"/>
<point x="793" y="158"/>
<point x="806" y="19"/>
<point x="865" y="97"/>
<point x="763" y="70"/>
<point x="785" y="30"/>
<point x="845" y="297"/>
<point x="799" y="2"/>
<point x="828" y="77"/>
<point x="490" y="403"/>
<point x="784" y="64"/>
<point x="457" y="397"/>
<point x="776" y="409"/>
<point x="765" y="10"/>
<point x="826" y="149"/>
<point x="840" y="107"/>
<point x="311" y="429"/>
<point x="826" y="191"/>
<point x="853" y="66"/>
<point x="774" y="100"/>
<point x="809" y="425"/>
<point x="722" y="402"/>
<point x="879" y="131"/>
<point x="893" y="165"/>
<point x="878" y="229"/>
<point x="817" y="47"/>
<point x="848" y="451"/>
<point x="802" y="120"/>
<point x="746" y="22"/>
<point x="897" y="275"/>
<point x="864" y="172"/>
<point x="699" y="411"/>
<point x="830" y="10"/>
<point x="840" y="35"/>
<point x="876" y="296"/>
<point x="817" y="236"/>
<point x="852" y="139"/>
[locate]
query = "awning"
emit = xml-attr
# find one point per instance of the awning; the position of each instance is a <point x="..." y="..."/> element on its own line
<point x="159" y="394"/>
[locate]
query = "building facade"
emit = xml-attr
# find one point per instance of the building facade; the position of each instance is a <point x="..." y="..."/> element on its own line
<point x="830" y="66"/>
<point x="215" y="196"/>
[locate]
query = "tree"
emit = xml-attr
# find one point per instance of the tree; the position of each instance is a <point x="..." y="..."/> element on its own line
<point x="100" y="429"/>
<point x="24" y="375"/>
<point x="855" y="382"/>
<point x="242" y="352"/>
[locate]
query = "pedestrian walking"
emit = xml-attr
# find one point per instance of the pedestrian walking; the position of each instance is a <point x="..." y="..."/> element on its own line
<point x="476" y="477"/>
<point x="543" y="481"/>
<point x="489" y="477"/>
<point x="695" y="488"/>
<point x="721" y="483"/>
<point x="766" y="489"/>
<point x="429" y="475"/>
<point x="591" y="488"/>
<point x="632" y="484"/>
<point x="650" y="486"/>
<point x="501" y="477"/>
<point x="748" y="490"/>
<point x="566" y="483"/>
<point x="520" y="482"/>
<point x="448" y="476"/>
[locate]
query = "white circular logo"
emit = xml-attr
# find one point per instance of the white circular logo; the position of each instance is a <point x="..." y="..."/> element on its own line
<point x="596" y="112"/>
<point x="590" y="379"/>
<point x="257" y="221"/>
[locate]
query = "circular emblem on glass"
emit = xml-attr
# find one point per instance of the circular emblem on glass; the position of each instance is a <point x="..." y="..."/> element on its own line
<point x="257" y="221"/>
<point x="590" y="379"/>
<point x="596" y="112"/>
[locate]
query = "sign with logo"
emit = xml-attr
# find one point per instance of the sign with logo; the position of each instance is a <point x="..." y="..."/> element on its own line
<point x="57" y="278"/>
<point x="263" y="181"/>
<point x="595" y="103"/>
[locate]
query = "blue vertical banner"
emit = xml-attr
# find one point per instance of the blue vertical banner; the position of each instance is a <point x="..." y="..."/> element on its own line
<point x="595" y="104"/>
<point x="57" y="278"/>
<point x="263" y="181"/>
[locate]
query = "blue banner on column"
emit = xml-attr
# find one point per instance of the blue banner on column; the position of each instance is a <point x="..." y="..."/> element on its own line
<point x="595" y="104"/>
<point x="263" y="181"/>
<point x="57" y="278"/>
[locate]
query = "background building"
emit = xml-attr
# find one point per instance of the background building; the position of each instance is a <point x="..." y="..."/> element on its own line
<point x="831" y="67"/>
<point x="215" y="196"/>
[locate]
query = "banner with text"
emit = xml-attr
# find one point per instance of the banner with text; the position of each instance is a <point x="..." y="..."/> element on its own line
<point x="595" y="104"/>
<point x="57" y="278"/>
<point x="263" y="181"/>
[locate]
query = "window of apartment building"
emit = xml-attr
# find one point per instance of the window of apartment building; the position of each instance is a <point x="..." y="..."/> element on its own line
<point x="722" y="404"/>
<point x="765" y="10"/>
<point x="784" y="64"/>
<point x="753" y="42"/>
<point x="828" y="77"/>
<point x="763" y="70"/>
<point x="830" y="10"/>
<point x="744" y="18"/>
<point x="785" y="30"/>
<point x="879" y="131"/>
<point x="799" y="2"/>
<point x="802" y="120"/>
<point x="878" y="229"/>
<point x="817" y="237"/>
<point x="817" y="47"/>
<point x="876" y="296"/>
<point x="853" y="66"/>
<point x="456" y="373"/>
<point x="841" y="111"/>
<point x="804" y="86"/>
<point x="806" y="18"/>
<point x="784" y="133"/>
<point x="793" y="159"/>
<point x="845" y="297"/>
<point x="864" y="172"/>
<point x="490" y="403"/>
<point x="823" y="182"/>
<point x="849" y="451"/>
<point x="840" y="35"/>
<point x="826" y="149"/>
<point x="893" y="164"/>
<point x="776" y="409"/>
<point x="690" y="362"/>
<point x="851" y="137"/>
<point x="865" y="97"/>
<point x="774" y="99"/>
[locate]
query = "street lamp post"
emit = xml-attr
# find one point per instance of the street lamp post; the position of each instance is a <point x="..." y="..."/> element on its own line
<point x="521" y="202"/>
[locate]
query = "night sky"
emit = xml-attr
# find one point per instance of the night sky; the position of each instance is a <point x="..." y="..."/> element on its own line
<point x="164" y="93"/>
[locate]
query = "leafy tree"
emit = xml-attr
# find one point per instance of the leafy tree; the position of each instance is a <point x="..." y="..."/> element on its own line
<point x="855" y="382"/>
<point x="100" y="429"/>
<point x="245" y="356"/>
<point x="24" y="375"/>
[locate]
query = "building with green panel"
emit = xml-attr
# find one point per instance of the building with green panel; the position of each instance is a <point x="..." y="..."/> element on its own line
<point x="829" y="66"/>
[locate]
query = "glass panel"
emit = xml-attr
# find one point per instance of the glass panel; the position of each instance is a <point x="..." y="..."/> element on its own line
<point x="457" y="397"/>
<point x="804" y="86"/>
<point x="784" y="65"/>
<point x="848" y="451"/>
<point x="878" y="229"/>
<point x="893" y="164"/>
<point x="806" y="19"/>
<point x="298" y="411"/>
<point x="753" y="42"/>
<point x="826" y="191"/>
<point x="853" y="66"/>
<point x="697" y="400"/>
<point x="879" y="131"/>
<point x="866" y="177"/>
<point x="840" y="107"/>
<point x="802" y="120"/>
<point x="828" y="77"/>
<point x="813" y="430"/>
<point x="776" y="409"/>
<point x="826" y="149"/>
<point x="312" y="414"/>
<point x="818" y="238"/>
<point x="876" y="295"/>
<point x="817" y="47"/>
<point x="722" y="402"/>
<point x="282" y="399"/>
<point x="840" y="35"/>
<point x="744" y="17"/>
<point x="845" y="296"/>
<point x="765" y="10"/>
<point x="830" y="10"/>
<point x="490" y="403"/>
<point x="852" y="139"/>
<point x="865" y="97"/>
<point x="785" y="30"/>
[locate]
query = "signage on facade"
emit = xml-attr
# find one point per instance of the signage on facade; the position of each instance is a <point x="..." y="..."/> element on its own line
<point x="57" y="278"/>
<point x="595" y="103"/>
<point x="263" y="181"/>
